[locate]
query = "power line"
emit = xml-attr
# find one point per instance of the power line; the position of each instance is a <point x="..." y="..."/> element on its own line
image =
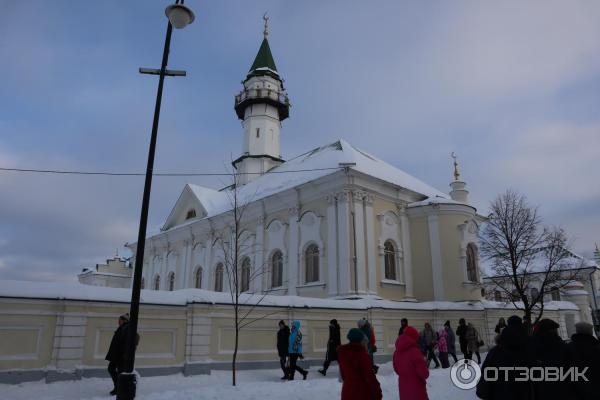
<point x="176" y="174"/>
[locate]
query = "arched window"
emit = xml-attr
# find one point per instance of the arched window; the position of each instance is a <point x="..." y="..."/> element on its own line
<point x="472" y="263"/>
<point x="534" y="294"/>
<point x="555" y="294"/>
<point x="515" y="295"/>
<point x="276" y="269"/>
<point x="198" y="278"/>
<point x="497" y="295"/>
<point x="219" y="278"/>
<point x="245" y="278"/>
<point x="171" y="281"/>
<point x="191" y="214"/>
<point x="311" y="263"/>
<point x="157" y="282"/>
<point x="389" y="257"/>
<point x="143" y="283"/>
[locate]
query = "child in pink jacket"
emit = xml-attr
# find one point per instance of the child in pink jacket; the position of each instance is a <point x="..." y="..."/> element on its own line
<point x="410" y="366"/>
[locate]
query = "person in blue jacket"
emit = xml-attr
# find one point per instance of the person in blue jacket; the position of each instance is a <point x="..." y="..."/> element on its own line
<point x="295" y="351"/>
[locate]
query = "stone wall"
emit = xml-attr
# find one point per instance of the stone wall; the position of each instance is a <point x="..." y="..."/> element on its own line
<point x="61" y="339"/>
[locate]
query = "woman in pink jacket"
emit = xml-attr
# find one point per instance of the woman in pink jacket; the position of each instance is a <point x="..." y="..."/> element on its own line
<point x="410" y="366"/>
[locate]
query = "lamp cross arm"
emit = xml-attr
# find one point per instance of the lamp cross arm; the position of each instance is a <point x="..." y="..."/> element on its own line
<point x="168" y="72"/>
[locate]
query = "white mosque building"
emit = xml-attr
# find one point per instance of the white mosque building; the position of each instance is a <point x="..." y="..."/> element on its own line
<point x="349" y="224"/>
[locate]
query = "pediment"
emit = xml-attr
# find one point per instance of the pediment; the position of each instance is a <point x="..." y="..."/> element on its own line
<point x="187" y="207"/>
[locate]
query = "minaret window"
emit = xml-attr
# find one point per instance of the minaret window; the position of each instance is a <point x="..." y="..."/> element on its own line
<point x="157" y="282"/>
<point x="143" y="283"/>
<point x="389" y="254"/>
<point x="257" y="132"/>
<point x="311" y="263"/>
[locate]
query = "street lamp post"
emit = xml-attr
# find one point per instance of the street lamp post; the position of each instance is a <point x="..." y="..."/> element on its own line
<point x="179" y="16"/>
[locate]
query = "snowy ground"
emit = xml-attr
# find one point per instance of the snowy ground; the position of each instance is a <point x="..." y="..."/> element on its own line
<point x="254" y="385"/>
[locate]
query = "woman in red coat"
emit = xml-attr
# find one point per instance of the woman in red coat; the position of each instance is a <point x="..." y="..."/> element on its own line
<point x="356" y="369"/>
<point x="410" y="366"/>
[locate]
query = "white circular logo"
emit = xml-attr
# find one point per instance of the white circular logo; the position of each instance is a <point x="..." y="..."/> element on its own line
<point x="465" y="374"/>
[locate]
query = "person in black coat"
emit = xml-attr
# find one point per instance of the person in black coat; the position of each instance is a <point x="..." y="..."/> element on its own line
<point x="549" y="350"/>
<point x="403" y="325"/>
<point x="116" y="351"/>
<point x="511" y="351"/>
<point x="584" y="351"/>
<point x="332" y="344"/>
<point x="283" y="336"/>
<point x="461" y="332"/>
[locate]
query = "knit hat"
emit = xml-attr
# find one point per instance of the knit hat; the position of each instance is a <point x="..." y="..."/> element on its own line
<point x="355" y="335"/>
<point x="411" y="332"/>
<point x="514" y="320"/>
<point x="584" y="328"/>
<point x="125" y="317"/>
<point x="546" y="325"/>
<point x="333" y="322"/>
<point x="362" y="322"/>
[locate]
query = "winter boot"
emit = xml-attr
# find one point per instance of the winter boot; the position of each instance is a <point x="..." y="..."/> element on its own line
<point x="304" y="374"/>
<point x="323" y="372"/>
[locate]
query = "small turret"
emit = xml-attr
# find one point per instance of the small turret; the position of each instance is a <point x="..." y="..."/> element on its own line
<point x="459" y="190"/>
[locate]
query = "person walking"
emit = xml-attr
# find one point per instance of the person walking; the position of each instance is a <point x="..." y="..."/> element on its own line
<point x="549" y="350"/>
<point x="356" y="370"/>
<point x="332" y="344"/>
<point x="295" y="351"/>
<point x="443" y="347"/>
<point x="365" y="327"/>
<point x="410" y="366"/>
<point x="403" y="325"/>
<point x="461" y="332"/>
<point x="450" y="340"/>
<point x="584" y="351"/>
<point x="429" y="340"/>
<point x="510" y="353"/>
<point x="283" y="337"/>
<point x="117" y="350"/>
<point x="499" y="327"/>
<point x="473" y="342"/>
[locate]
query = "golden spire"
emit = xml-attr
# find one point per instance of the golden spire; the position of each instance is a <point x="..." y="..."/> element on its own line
<point x="456" y="174"/>
<point x="266" y="31"/>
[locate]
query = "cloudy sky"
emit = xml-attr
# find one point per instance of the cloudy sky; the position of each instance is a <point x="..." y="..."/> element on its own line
<point x="512" y="87"/>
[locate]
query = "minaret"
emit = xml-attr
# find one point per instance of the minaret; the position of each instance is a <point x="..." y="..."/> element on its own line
<point x="261" y="105"/>
<point x="459" y="188"/>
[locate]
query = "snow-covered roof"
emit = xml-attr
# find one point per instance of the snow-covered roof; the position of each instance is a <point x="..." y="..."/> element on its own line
<point x="315" y="164"/>
<point x="77" y="291"/>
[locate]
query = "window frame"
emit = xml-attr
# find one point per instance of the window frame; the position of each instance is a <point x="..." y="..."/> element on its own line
<point x="312" y="254"/>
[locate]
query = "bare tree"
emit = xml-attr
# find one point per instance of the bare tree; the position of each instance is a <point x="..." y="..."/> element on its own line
<point x="524" y="254"/>
<point x="236" y="247"/>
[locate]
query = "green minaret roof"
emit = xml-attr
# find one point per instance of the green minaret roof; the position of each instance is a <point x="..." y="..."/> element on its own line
<point x="263" y="63"/>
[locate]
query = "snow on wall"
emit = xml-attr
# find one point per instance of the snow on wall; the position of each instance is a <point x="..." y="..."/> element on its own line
<point x="76" y="291"/>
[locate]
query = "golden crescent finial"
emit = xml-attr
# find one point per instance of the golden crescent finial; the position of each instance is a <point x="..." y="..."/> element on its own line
<point x="456" y="174"/>
<point x="266" y="31"/>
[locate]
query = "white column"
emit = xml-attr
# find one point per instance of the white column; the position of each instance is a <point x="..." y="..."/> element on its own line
<point x="332" y="265"/>
<point x="187" y="264"/>
<point x="260" y="267"/>
<point x="371" y="245"/>
<point x="407" y="255"/>
<point x="208" y="266"/>
<point x="293" y="256"/>
<point x="436" y="258"/>
<point x="359" y="231"/>
<point x="344" y="256"/>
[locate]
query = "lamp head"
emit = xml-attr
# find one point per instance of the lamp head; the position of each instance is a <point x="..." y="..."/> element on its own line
<point x="179" y="15"/>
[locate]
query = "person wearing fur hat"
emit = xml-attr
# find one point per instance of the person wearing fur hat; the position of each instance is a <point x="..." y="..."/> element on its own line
<point x="584" y="351"/>
<point x="117" y="351"/>
<point x="410" y="366"/>
<point x="356" y="371"/>
<point x="332" y="344"/>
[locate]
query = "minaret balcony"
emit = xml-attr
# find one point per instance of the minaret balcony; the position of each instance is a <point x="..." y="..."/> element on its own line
<point x="277" y="99"/>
